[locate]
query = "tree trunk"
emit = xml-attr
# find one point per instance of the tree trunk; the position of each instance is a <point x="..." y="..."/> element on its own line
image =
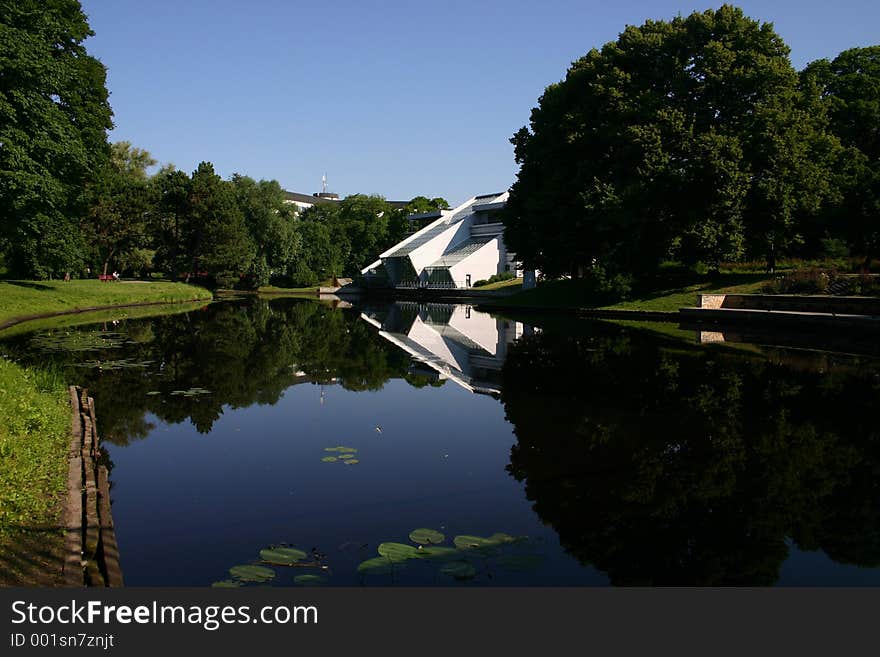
<point x="107" y="261"/>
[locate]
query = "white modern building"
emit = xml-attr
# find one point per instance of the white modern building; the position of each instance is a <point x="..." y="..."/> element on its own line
<point x="449" y="248"/>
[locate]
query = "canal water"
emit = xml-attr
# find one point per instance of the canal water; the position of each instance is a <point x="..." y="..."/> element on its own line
<point x="289" y="442"/>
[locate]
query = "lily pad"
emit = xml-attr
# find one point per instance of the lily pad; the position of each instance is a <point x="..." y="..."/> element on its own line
<point x="282" y="556"/>
<point x="226" y="584"/>
<point x="520" y="563"/>
<point x="309" y="580"/>
<point x="350" y="461"/>
<point x="459" y="570"/>
<point x="376" y="566"/>
<point x="483" y="545"/>
<point x="252" y="573"/>
<point x="341" y="449"/>
<point x="467" y="542"/>
<point x="329" y="459"/>
<point x="501" y="539"/>
<point x="426" y="536"/>
<point x="440" y="553"/>
<point x="191" y="392"/>
<point x="398" y="552"/>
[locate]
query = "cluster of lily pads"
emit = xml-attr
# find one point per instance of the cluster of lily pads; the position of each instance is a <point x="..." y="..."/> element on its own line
<point x="79" y="340"/>
<point x="341" y="454"/>
<point x="261" y="573"/>
<point x="467" y="558"/>
<point x="463" y="560"/>
<point x="124" y="363"/>
<point x="190" y="392"/>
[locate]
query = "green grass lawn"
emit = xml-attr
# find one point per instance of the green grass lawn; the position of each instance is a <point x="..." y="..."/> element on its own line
<point x="507" y="285"/>
<point x="25" y="298"/>
<point x="661" y="295"/>
<point x="34" y="438"/>
<point x="685" y="297"/>
<point x="274" y="289"/>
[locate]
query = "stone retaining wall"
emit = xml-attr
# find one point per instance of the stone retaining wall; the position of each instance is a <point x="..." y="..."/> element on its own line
<point x="91" y="554"/>
<point x="792" y="302"/>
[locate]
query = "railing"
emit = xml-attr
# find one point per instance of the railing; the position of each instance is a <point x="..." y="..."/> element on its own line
<point x="433" y="285"/>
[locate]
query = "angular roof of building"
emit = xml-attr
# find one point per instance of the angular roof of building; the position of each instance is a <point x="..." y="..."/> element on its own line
<point x="305" y="198"/>
<point x="461" y="251"/>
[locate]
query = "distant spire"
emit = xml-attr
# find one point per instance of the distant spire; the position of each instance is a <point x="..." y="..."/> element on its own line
<point x="324" y="184"/>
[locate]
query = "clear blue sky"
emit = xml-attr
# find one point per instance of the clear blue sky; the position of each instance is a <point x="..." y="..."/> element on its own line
<point x="392" y="98"/>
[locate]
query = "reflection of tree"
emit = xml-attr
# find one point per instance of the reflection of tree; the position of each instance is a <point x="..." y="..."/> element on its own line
<point x="243" y="353"/>
<point x="677" y="467"/>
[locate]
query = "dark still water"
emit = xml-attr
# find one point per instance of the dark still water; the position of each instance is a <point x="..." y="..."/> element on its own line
<point x="566" y="453"/>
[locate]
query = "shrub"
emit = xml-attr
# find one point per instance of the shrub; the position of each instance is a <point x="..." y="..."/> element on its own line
<point x="866" y="285"/>
<point x="834" y="248"/>
<point x="495" y="278"/>
<point x="804" y="281"/>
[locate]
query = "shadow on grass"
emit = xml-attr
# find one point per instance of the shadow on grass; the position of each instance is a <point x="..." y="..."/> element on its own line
<point x="30" y="284"/>
<point x="31" y="556"/>
<point x="681" y="281"/>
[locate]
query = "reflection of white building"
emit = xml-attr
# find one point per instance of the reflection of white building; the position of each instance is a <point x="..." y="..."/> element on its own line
<point x="451" y="341"/>
<point x="450" y="249"/>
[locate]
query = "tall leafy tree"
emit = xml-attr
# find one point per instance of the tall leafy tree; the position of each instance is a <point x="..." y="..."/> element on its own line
<point x="271" y="224"/>
<point x="169" y="221"/>
<point x="398" y="225"/>
<point x="685" y="138"/>
<point x="849" y="87"/>
<point x="217" y="238"/>
<point x="121" y="199"/>
<point x="54" y="114"/>
<point x="352" y="234"/>
<point x="325" y="246"/>
<point x="365" y="221"/>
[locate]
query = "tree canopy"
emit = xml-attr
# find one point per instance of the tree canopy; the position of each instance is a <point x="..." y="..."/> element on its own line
<point x="849" y="88"/>
<point x="686" y="139"/>
<point x="54" y="114"/>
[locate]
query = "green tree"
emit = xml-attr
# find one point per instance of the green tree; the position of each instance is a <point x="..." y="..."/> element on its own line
<point x="120" y="201"/>
<point x="685" y="138"/>
<point x="365" y="222"/>
<point x="398" y="225"/>
<point x="271" y="225"/>
<point x="169" y="222"/>
<point x="324" y="248"/>
<point x="421" y="204"/>
<point x="54" y="115"/>
<point x="217" y="238"/>
<point x="849" y="87"/>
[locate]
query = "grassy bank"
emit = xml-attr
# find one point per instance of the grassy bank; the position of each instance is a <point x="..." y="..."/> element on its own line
<point x="510" y="284"/>
<point x="27" y="298"/>
<point x="276" y="290"/>
<point x="59" y="322"/>
<point x="658" y="296"/>
<point x="34" y="438"/>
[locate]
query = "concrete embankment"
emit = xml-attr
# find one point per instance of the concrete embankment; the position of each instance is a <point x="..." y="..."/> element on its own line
<point x="786" y="311"/>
